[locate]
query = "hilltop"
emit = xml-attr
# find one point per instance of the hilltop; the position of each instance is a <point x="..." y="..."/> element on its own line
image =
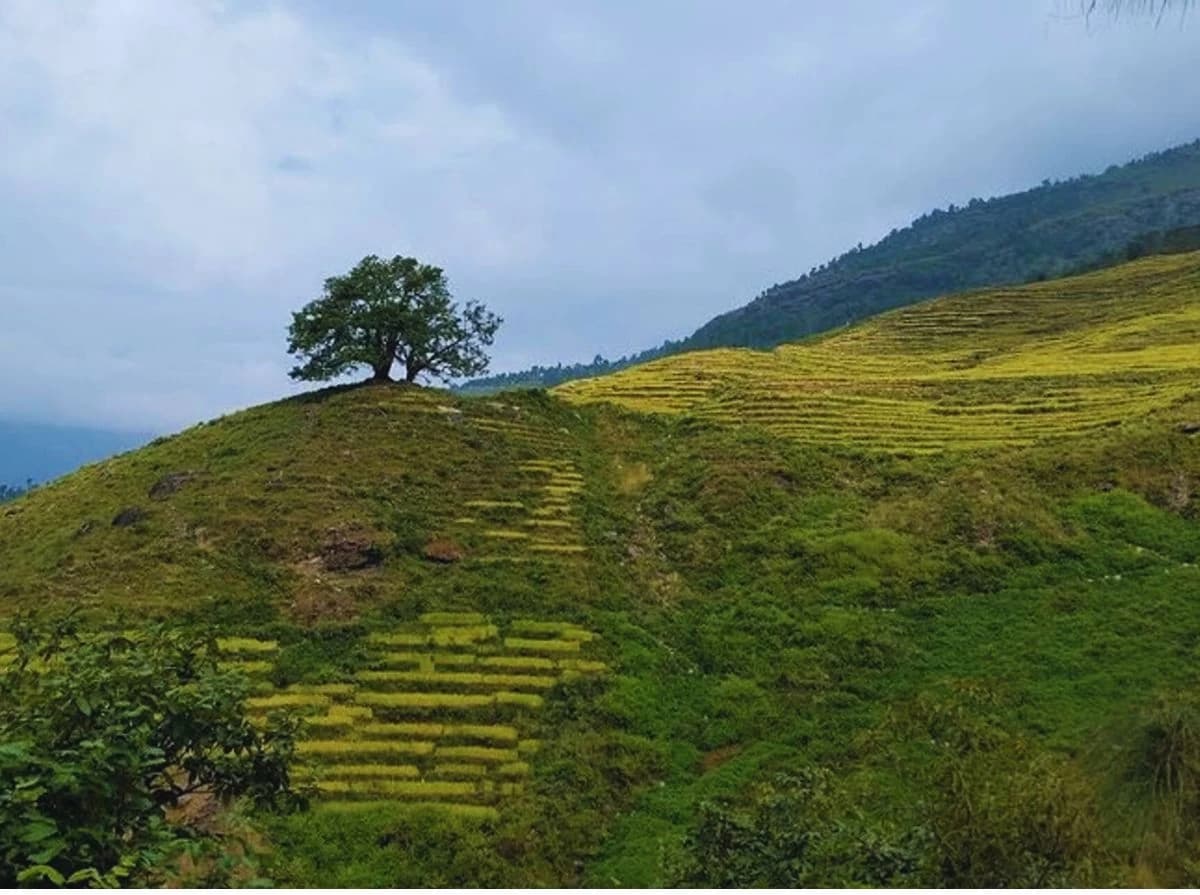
<point x="545" y="638"/>
<point x="1047" y="231"/>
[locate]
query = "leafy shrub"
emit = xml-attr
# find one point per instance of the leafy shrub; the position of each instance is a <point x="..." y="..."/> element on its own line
<point x="102" y="734"/>
<point x="795" y="830"/>
<point x="1003" y="812"/>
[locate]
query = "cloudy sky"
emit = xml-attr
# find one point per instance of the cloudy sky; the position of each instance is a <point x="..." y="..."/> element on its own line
<point x="178" y="176"/>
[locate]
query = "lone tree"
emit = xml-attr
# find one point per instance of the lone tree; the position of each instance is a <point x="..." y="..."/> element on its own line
<point x="385" y="312"/>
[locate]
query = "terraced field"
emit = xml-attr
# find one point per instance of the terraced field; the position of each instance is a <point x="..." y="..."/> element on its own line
<point x="981" y="370"/>
<point x="536" y="517"/>
<point x="443" y="717"/>
<point x="543" y="523"/>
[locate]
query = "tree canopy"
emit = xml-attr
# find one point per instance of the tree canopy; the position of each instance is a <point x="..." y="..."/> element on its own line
<point x="386" y="312"/>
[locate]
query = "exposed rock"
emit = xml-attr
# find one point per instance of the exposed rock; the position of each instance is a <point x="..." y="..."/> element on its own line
<point x="1192" y="428"/>
<point x="1179" y="492"/>
<point x="86" y="527"/>
<point x="130" y="516"/>
<point x="348" y="548"/>
<point x="315" y="602"/>
<point x="443" y="550"/>
<point x="169" y="484"/>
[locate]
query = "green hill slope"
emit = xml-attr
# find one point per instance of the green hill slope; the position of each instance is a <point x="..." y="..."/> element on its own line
<point x="1011" y="366"/>
<point x="531" y="638"/>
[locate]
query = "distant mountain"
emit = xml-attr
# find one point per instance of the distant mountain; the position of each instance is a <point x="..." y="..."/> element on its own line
<point x="1041" y="233"/>
<point x="40" y="452"/>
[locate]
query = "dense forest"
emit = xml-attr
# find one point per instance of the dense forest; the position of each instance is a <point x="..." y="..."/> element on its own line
<point x="1050" y="230"/>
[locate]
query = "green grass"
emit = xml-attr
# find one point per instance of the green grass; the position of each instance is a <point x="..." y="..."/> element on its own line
<point x="521" y="663"/>
<point x="454" y="680"/>
<point x="423" y="789"/>
<point x="245" y="645"/>
<point x="475" y="753"/>
<point x="287" y="700"/>
<point x="461" y="770"/>
<point x="553" y="647"/>
<point x="246" y="666"/>
<point x="445" y="701"/>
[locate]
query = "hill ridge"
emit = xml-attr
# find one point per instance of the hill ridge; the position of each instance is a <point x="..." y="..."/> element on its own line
<point x="978" y="369"/>
<point x="1038" y="233"/>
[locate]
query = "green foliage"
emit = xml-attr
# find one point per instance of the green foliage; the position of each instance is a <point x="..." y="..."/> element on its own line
<point x="387" y="846"/>
<point x="390" y="311"/>
<point x="102" y="734"/>
<point x="795" y="831"/>
<point x="1003" y="813"/>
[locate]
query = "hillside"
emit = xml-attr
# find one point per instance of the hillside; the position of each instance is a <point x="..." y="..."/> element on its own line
<point x="1040" y="233"/>
<point x="1007" y="366"/>
<point x="551" y="639"/>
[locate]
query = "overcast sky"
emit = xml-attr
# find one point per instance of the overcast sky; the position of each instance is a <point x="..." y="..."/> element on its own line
<point x="178" y="176"/>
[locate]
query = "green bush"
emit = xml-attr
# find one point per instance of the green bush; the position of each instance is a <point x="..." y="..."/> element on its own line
<point x="101" y="734"/>
<point x="794" y="831"/>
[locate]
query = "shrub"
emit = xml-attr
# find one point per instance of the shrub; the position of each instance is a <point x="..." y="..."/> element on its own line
<point x="1170" y="758"/>
<point x="1014" y="817"/>
<point x="101" y="734"/>
<point x="794" y="830"/>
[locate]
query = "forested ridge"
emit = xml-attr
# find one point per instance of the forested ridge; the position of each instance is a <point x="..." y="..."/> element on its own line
<point x="1047" y="231"/>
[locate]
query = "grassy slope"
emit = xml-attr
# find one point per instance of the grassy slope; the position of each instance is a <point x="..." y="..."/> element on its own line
<point x="767" y="601"/>
<point x="999" y="367"/>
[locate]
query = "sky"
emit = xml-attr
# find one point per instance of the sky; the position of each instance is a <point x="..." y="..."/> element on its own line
<point x="178" y="177"/>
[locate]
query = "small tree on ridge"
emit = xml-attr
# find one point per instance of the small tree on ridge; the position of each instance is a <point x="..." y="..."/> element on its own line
<point x="385" y="312"/>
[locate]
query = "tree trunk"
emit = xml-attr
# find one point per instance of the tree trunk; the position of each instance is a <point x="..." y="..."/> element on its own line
<point x="411" y="372"/>
<point x="383" y="372"/>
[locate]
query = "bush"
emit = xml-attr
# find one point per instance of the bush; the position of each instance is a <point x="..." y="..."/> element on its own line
<point x="1002" y="812"/>
<point x="794" y="831"/>
<point x="1013" y="818"/>
<point x="101" y="735"/>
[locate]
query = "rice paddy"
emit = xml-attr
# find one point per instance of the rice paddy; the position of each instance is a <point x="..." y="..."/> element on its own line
<point x="983" y="370"/>
<point x="544" y="522"/>
<point x="442" y="718"/>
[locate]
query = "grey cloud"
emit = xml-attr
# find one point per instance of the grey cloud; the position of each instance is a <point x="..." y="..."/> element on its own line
<point x="180" y="176"/>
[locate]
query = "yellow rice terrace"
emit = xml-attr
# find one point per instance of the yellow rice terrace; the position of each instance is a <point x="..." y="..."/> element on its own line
<point x="986" y="369"/>
<point x="440" y="718"/>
